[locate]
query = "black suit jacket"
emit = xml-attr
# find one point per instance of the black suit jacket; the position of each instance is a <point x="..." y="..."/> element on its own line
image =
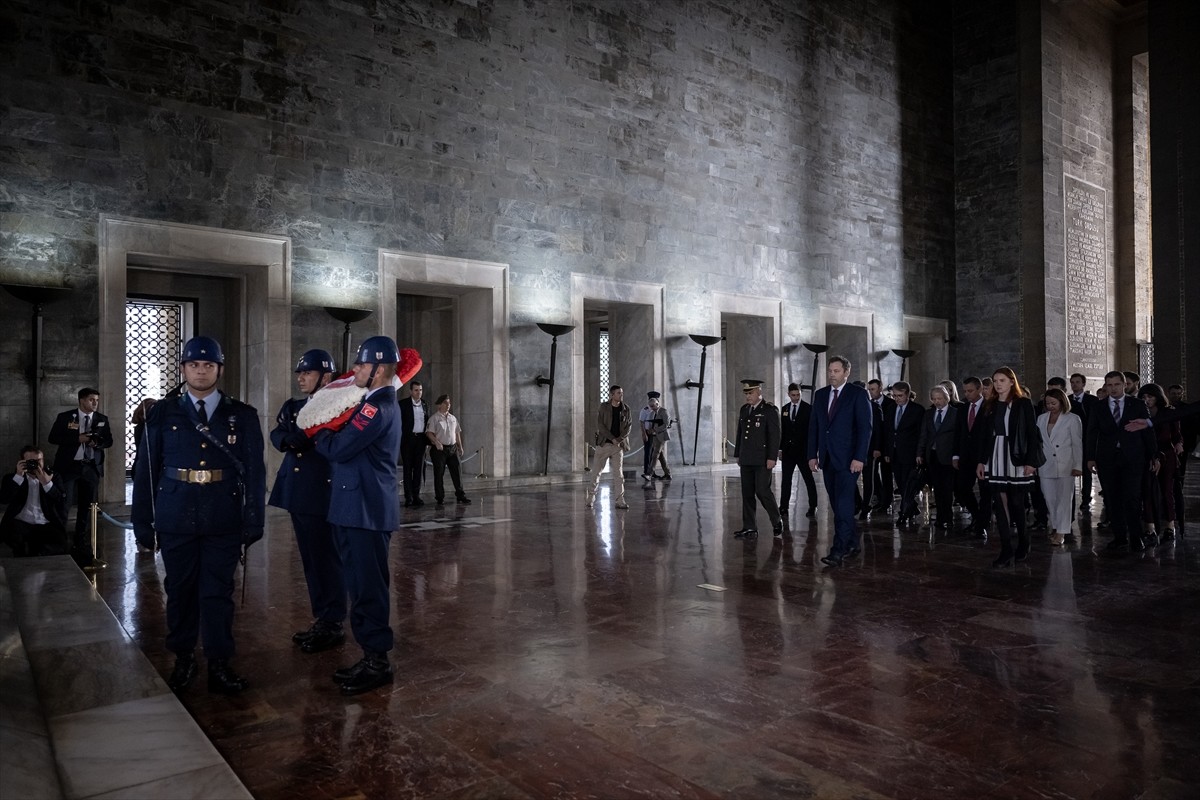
<point x="900" y="442"/>
<point x="65" y="434"/>
<point x="967" y="442"/>
<point x="1108" y="443"/>
<point x="793" y="437"/>
<point x="407" y="418"/>
<point x="938" y="445"/>
<point x="54" y="501"/>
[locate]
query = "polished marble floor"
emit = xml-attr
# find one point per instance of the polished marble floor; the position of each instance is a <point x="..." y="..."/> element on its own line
<point x="548" y="650"/>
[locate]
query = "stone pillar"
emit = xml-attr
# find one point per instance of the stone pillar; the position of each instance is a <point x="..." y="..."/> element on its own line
<point x="1174" y="28"/>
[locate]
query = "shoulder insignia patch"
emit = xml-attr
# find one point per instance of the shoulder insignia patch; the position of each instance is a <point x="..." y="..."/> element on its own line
<point x="369" y="411"/>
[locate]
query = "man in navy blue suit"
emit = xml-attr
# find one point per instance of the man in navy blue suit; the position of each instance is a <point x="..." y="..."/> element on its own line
<point x="364" y="509"/>
<point x="839" y="439"/>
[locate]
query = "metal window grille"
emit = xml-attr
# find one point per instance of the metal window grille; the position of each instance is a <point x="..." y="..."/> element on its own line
<point x="604" y="384"/>
<point x="153" y="338"/>
<point x="1146" y="362"/>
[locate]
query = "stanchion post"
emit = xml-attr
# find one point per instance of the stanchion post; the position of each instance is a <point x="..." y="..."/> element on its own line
<point x="97" y="563"/>
<point x="481" y="474"/>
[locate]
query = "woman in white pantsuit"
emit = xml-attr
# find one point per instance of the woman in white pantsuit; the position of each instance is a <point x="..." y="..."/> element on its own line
<point x="1062" y="438"/>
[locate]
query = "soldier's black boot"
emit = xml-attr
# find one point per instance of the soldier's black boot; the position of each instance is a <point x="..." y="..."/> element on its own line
<point x="223" y="680"/>
<point x="185" y="670"/>
<point x="374" y="671"/>
<point x="325" y="636"/>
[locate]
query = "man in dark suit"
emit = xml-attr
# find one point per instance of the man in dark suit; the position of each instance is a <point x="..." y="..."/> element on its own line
<point x="1121" y="458"/>
<point x="82" y="435"/>
<point x="1082" y="403"/>
<point x="968" y="434"/>
<point x="364" y="509"/>
<point x="414" y="414"/>
<point x="883" y="487"/>
<point x="35" y="520"/>
<point x="756" y="450"/>
<point x="839" y="435"/>
<point x="902" y="432"/>
<point x="935" y="449"/>
<point x="872" y="483"/>
<point x="793" y="451"/>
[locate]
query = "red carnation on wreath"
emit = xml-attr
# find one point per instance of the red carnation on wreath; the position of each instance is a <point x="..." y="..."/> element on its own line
<point x="334" y="404"/>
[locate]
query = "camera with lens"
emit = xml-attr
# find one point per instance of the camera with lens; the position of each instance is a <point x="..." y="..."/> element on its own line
<point x="32" y="465"/>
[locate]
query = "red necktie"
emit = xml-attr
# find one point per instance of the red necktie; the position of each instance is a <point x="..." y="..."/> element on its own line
<point x="971" y="417"/>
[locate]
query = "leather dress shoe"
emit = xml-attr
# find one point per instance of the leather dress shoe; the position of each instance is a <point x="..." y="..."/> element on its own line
<point x="326" y="637"/>
<point x="1150" y="540"/>
<point x="416" y="501"/>
<point x="1117" y="546"/>
<point x="853" y="551"/>
<point x="223" y="680"/>
<point x="372" y="672"/>
<point x="463" y="501"/>
<point x="746" y="533"/>
<point x="300" y="637"/>
<point x="408" y="503"/>
<point x="833" y="559"/>
<point x="1002" y="562"/>
<point x="777" y="528"/>
<point x="185" y="670"/>
<point x="344" y="674"/>
<point x="1168" y="535"/>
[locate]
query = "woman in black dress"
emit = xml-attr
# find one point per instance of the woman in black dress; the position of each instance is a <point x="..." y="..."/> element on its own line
<point x="1007" y="460"/>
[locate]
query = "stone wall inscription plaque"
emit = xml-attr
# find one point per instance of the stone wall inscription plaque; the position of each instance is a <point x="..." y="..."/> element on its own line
<point x="1086" y="270"/>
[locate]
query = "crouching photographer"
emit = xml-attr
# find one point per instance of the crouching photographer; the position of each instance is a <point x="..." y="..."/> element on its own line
<point x="35" y="519"/>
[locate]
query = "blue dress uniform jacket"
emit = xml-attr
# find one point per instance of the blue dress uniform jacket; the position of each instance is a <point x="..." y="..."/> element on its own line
<point x="200" y="520"/>
<point x="362" y="456"/>
<point x="171" y="442"/>
<point x="302" y="484"/>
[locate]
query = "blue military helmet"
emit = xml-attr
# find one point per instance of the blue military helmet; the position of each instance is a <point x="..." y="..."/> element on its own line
<point x="378" y="350"/>
<point x="316" y="360"/>
<point x="202" y="348"/>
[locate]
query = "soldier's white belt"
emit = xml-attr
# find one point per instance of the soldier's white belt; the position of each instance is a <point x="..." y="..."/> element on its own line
<point x="193" y="475"/>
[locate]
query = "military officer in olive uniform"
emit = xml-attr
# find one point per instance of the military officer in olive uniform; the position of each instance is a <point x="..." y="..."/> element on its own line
<point x="302" y="489"/>
<point x="755" y="449"/>
<point x="364" y="509"/>
<point x="199" y="485"/>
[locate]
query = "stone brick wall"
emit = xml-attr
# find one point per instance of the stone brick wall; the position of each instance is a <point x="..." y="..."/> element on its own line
<point x="987" y="218"/>
<point x="772" y="148"/>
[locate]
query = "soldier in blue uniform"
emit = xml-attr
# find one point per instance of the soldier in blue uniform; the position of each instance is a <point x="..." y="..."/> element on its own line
<point x="302" y="488"/>
<point x="364" y="509"/>
<point x="756" y="448"/>
<point x="199" y="484"/>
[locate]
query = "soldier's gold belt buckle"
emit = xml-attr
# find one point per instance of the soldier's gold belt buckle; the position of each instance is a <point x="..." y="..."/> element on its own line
<point x="200" y="475"/>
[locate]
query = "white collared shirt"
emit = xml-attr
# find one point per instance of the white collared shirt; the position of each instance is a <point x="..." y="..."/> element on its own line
<point x="32" y="512"/>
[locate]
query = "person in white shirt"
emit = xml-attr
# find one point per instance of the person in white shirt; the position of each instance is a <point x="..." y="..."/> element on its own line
<point x="35" y="520"/>
<point x="445" y="438"/>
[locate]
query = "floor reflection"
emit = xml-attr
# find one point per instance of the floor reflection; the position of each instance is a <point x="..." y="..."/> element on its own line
<point x="550" y="650"/>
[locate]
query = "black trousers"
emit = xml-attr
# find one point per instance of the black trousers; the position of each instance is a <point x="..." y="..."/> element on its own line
<point x="34" y="540"/>
<point x="785" y="493"/>
<point x="83" y="487"/>
<point x="412" y="456"/>
<point x="942" y="477"/>
<point x="446" y="457"/>
<point x="1122" y="485"/>
<point x="965" y="481"/>
<point x="756" y="483"/>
